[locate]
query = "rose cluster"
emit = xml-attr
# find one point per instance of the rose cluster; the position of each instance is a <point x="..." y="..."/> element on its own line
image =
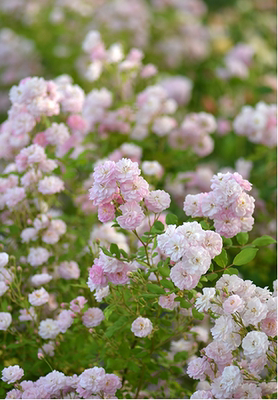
<point x="259" y="124"/>
<point x="235" y="362"/>
<point x="227" y="204"/>
<point x="191" y="249"/>
<point x="119" y="188"/>
<point x="195" y="132"/>
<point x="91" y="383"/>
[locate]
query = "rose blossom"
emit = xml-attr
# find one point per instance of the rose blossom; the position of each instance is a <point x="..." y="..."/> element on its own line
<point x="141" y="327"/>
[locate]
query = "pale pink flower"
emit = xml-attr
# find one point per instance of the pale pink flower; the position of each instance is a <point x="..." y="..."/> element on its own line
<point x="158" y="201"/>
<point x="106" y="212"/>
<point x="49" y="329"/>
<point x="126" y="170"/>
<point x="77" y="304"/>
<point x="4" y="259"/>
<point x="5" y="320"/>
<point x="38" y="297"/>
<point x="65" y="320"/>
<point x="37" y="256"/>
<point x="92" y="317"/>
<point x="105" y="172"/>
<point x="102" y="192"/>
<point x="168" y="301"/>
<point x="111" y="384"/>
<point x="182" y="279"/>
<point x="233" y="304"/>
<point x="132" y="216"/>
<point x="135" y="190"/>
<point x="57" y="134"/>
<point x="13" y="196"/>
<point x="51" y="185"/>
<point x="141" y="327"/>
<point x="69" y="270"/>
<point x="269" y="326"/>
<point x="27" y="315"/>
<point x="92" y="379"/>
<point x="197" y="368"/>
<point x="12" y="374"/>
<point x="255" y="344"/>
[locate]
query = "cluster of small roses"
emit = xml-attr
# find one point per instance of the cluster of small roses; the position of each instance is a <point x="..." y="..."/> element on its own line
<point x="227" y="204"/>
<point x="131" y="16"/>
<point x="237" y="61"/>
<point x="50" y="230"/>
<point x="153" y="104"/>
<point x="6" y="275"/>
<point x="93" y="383"/>
<point x="101" y="57"/>
<point x="190" y="39"/>
<point x="191" y="249"/>
<point x="151" y="169"/>
<point x="193" y="182"/>
<point x="104" y="270"/>
<point x="50" y="328"/>
<point x="35" y="159"/>
<point x="119" y="187"/>
<point x="259" y="124"/>
<point x="31" y="99"/>
<point x="194" y="132"/>
<point x="237" y="361"/>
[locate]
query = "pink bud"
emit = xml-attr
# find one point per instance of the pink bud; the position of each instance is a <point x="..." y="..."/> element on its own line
<point x="40" y="356"/>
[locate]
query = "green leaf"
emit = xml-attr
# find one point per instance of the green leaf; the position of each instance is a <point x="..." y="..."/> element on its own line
<point x="245" y="256"/>
<point x="159" y="226"/>
<point x="155" y="288"/>
<point x="164" y="271"/>
<point x="185" y="304"/>
<point x="205" y="225"/>
<point x="109" y="310"/>
<point x="227" y="241"/>
<point x="105" y="251"/>
<point x="264" y="240"/>
<point x="242" y="238"/>
<point x="114" y="249"/>
<point x="231" y="271"/>
<point x="124" y="254"/>
<point x="149" y="296"/>
<point x="197" y="315"/>
<point x="180" y="356"/>
<point x="211" y="277"/>
<point x="222" y="259"/>
<point x="171" y="219"/>
<point x="142" y="262"/>
<point x="167" y="284"/>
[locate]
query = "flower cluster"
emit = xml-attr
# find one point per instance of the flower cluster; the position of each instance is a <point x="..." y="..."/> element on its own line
<point x="227" y="204"/>
<point x="191" y="249"/>
<point x="106" y="269"/>
<point x="195" y="132"/>
<point x="242" y="347"/>
<point x="237" y="61"/>
<point x="49" y="229"/>
<point x="118" y="187"/>
<point x="153" y="104"/>
<point x="91" y="382"/>
<point x="259" y="124"/>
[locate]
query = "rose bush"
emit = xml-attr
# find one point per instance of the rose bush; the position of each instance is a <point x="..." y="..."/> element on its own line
<point x="137" y="237"/>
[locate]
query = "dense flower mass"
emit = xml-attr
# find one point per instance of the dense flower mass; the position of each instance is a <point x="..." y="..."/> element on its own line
<point x="227" y="204"/>
<point x="239" y="328"/>
<point x="137" y="199"/>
